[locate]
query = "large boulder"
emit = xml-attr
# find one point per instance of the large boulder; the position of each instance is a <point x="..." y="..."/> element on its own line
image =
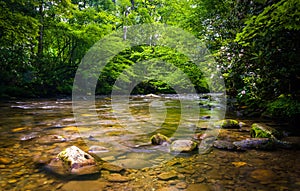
<point x="228" y="124"/>
<point x="183" y="146"/>
<point x="73" y="161"/>
<point x="259" y="130"/>
<point x="159" y="139"/>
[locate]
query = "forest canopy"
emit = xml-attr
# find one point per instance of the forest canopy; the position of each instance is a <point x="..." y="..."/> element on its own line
<point x="254" y="42"/>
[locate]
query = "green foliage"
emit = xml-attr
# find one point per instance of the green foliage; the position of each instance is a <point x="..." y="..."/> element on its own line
<point x="284" y="107"/>
<point x="161" y="71"/>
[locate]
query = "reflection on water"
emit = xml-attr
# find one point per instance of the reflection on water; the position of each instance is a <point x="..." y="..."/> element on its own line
<point x="37" y="130"/>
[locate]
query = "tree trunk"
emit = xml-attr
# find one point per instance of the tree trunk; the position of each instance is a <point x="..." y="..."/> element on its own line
<point x="41" y="30"/>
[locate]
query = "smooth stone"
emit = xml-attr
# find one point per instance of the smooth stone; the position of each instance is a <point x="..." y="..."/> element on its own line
<point x="152" y="96"/>
<point x="97" y="149"/>
<point x="221" y="144"/>
<point x="263" y="175"/>
<point x="12" y="181"/>
<point x="4" y="160"/>
<point x="167" y="175"/>
<point x="117" y="178"/>
<point x="256" y="143"/>
<point x="133" y="163"/>
<point x="29" y="136"/>
<point x="239" y="163"/>
<point x="90" y="185"/>
<point x="181" y="185"/>
<point x="183" y="146"/>
<point x="111" y="167"/>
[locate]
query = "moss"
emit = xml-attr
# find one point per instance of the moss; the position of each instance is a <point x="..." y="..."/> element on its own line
<point x="263" y="131"/>
<point x="228" y="124"/>
<point x="158" y="139"/>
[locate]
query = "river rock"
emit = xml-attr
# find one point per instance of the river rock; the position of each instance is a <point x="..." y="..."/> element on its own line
<point x="183" y="146"/>
<point x="228" y="124"/>
<point x="256" y="143"/>
<point x="73" y="161"/>
<point x="263" y="175"/>
<point x="4" y="160"/>
<point x="90" y="185"/>
<point x="259" y="130"/>
<point x="151" y="96"/>
<point x="159" y="139"/>
<point x="111" y="167"/>
<point x="167" y="175"/>
<point x="117" y="178"/>
<point x="29" y="136"/>
<point x="221" y="144"/>
<point x="97" y="149"/>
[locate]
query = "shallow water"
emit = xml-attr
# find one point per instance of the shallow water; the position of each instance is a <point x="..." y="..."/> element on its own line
<point x="34" y="130"/>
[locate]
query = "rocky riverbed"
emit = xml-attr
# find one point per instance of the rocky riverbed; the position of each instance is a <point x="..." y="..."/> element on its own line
<point x="35" y="132"/>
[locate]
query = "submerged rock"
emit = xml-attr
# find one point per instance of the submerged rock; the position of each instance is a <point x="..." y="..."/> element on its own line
<point x="167" y="175"/>
<point x="117" y="178"/>
<point x="263" y="175"/>
<point x="263" y="131"/>
<point x="159" y="139"/>
<point x="183" y="146"/>
<point x="221" y="144"/>
<point x="29" y="136"/>
<point x="97" y="149"/>
<point x="73" y="161"/>
<point x="228" y="124"/>
<point x="256" y="143"/>
<point x="84" y="185"/>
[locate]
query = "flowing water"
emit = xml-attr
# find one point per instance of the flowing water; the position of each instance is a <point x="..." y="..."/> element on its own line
<point x="37" y="130"/>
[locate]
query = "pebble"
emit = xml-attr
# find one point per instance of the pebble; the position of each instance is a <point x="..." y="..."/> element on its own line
<point x="167" y="175"/>
<point x="181" y="185"/>
<point x="117" y="178"/>
<point x="263" y="175"/>
<point x="200" y="179"/>
<point x="111" y="167"/>
<point x="12" y="181"/>
<point x="5" y="160"/>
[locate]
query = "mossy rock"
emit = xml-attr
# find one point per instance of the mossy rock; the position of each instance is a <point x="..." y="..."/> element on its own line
<point x="228" y="124"/>
<point x="263" y="131"/>
<point x="159" y="139"/>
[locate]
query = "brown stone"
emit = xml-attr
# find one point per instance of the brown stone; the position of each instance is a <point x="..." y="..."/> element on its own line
<point x="117" y="178"/>
<point x="111" y="167"/>
<point x="181" y="185"/>
<point x="263" y="175"/>
<point x="168" y="175"/>
<point x="90" y="185"/>
<point x="4" y="160"/>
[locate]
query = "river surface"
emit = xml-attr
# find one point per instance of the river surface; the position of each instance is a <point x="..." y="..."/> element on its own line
<point x="37" y="130"/>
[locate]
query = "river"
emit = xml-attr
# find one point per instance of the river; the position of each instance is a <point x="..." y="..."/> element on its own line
<point x="37" y="130"/>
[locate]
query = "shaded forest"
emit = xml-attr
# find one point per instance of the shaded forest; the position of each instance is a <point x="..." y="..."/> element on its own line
<point x="254" y="42"/>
